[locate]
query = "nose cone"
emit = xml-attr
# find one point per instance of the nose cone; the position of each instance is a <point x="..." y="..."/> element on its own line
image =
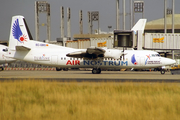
<point x="168" y="61"/>
<point x="173" y="61"/>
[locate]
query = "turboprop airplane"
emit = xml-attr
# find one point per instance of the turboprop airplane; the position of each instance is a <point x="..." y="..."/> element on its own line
<point x="22" y="47"/>
<point x="3" y="58"/>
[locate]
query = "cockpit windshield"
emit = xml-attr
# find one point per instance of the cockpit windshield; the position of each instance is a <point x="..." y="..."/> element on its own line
<point x="155" y="55"/>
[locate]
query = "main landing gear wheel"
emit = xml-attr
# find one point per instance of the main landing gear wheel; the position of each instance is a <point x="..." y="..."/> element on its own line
<point x="65" y="69"/>
<point x="58" y="69"/>
<point x="96" y="71"/>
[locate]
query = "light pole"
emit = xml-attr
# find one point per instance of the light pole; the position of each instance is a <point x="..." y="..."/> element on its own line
<point x="117" y="14"/>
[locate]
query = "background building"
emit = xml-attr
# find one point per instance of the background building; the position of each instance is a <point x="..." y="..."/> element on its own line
<point x="157" y="26"/>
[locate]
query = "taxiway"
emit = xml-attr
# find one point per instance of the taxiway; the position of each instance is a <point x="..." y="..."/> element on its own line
<point x="79" y="76"/>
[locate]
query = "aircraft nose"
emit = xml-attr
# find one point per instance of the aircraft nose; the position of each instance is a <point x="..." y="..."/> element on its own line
<point x="173" y="61"/>
<point x="169" y="61"/>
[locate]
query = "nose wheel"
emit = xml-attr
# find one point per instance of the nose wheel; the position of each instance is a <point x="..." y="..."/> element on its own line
<point x="96" y="71"/>
<point x="163" y="72"/>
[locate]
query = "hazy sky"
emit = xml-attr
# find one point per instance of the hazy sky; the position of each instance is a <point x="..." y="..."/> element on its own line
<point x="154" y="9"/>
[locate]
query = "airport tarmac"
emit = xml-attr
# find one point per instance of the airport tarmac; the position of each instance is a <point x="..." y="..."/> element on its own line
<point x="79" y="76"/>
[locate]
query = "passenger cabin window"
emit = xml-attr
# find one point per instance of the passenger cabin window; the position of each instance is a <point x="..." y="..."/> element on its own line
<point x="153" y="55"/>
<point x="5" y="50"/>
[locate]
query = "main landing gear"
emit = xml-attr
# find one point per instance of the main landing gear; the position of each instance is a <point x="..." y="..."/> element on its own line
<point x="96" y="71"/>
<point x="59" y="69"/>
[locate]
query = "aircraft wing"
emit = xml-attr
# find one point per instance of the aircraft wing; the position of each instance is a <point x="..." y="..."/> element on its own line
<point x="91" y="53"/>
<point x="22" y="48"/>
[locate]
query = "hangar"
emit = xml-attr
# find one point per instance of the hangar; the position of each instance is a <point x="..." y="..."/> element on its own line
<point x="157" y="26"/>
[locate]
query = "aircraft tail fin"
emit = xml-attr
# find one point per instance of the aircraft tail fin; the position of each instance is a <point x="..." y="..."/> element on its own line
<point x="19" y="32"/>
<point x="140" y="25"/>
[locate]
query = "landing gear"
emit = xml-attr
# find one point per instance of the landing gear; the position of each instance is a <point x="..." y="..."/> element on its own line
<point x="65" y="69"/>
<point x="163" y="71"/>
<point x="58" y="69"/>
<point x="96" y="71"/>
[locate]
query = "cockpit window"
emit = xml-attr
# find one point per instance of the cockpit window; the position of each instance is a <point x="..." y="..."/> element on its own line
<point x="158" y="55"/>
<point x="155" y="55"/>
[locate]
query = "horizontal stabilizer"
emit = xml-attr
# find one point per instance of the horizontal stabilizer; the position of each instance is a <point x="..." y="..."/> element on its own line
<point x="22" y="48"/>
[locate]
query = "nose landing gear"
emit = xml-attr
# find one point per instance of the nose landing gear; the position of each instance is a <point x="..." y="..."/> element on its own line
<point x="163" y="71"/>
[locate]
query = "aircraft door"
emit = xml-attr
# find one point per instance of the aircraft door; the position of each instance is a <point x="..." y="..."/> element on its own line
<point x="54" y="59"/>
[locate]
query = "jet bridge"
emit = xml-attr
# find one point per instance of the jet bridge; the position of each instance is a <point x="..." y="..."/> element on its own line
<point x="123" y="38"/>
<point x="162" y="41"/>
